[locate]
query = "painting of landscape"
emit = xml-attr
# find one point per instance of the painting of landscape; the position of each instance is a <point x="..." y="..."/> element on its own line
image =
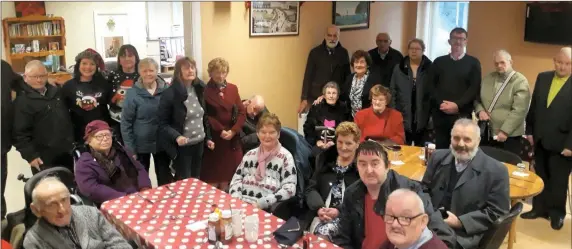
<point x="351" y="15"/>
<point x="274" y="18"/>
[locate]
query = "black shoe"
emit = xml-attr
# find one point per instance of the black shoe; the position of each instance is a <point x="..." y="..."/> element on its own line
<point x="533" y="214"/>
<point x="556" y="222"/>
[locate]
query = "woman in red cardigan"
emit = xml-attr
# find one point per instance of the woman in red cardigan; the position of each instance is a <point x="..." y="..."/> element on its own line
<point x="379" y="122"/>
<point x="226" y="115"/>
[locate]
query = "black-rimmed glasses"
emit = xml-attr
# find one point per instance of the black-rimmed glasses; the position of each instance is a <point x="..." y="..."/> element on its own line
<point x="404" y="221"/>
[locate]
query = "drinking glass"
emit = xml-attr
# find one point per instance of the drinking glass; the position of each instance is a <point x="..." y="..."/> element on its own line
<point x="251" y="228"/>
<point x="236" y="222"/>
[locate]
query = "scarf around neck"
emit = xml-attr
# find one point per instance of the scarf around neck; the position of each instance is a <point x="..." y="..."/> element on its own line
<point x="263" y="158"/>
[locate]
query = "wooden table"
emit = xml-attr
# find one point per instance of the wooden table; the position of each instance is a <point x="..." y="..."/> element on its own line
<point x="520" y="187"/>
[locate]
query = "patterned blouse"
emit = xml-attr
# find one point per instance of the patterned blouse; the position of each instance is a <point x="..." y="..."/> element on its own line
<point x="356" y="92"/>
<point x="336" y="197"/>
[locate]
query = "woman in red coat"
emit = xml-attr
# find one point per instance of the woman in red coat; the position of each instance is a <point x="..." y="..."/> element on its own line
<point x="226" y="115"/>
<point x="379" y="122"/>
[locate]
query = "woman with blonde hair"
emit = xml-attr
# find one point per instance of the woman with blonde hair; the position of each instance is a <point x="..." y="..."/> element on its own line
<point x="226" y="115"/>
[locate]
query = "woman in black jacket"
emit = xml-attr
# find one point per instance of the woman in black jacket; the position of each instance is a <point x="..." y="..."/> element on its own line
<point x="335" y="170"/>
<point x="181" y="113"/>
<point x="409" y="93"/>
<point x="328" y="114"/>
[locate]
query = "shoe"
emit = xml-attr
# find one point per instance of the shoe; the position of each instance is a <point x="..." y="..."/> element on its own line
<point x="556" y="222"/>
<point x="533" y="214"/>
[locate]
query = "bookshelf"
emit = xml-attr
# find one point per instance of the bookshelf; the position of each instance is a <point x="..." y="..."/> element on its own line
<point x="35" y="38"/>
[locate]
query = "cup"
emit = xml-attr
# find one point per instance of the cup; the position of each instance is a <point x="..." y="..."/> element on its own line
<point x="236" y="222"/>
<point x="251" y="228"/>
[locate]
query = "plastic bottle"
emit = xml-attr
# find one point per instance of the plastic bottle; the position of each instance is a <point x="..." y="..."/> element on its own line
<point x="428" y="152"/>
<point x="213" y="229"/>
<point x="226" y="227"/>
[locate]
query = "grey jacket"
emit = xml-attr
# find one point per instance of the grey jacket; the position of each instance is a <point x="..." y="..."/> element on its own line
<point x="139" y="118"/>
<point x="92" y="229"/>
<point x="479" y="198"/>
<point x="512" y="106"/>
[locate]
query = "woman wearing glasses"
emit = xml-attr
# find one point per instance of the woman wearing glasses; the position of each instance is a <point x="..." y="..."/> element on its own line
<point x="106" y="171"/>
<point x="335" y="170"/>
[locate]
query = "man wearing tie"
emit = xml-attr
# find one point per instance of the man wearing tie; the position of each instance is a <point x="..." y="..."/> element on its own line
<point x="549" y="128"/>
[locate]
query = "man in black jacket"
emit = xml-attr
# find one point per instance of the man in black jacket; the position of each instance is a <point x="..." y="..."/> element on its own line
<point x="328" y="61"/>
<point x="384" y="58"/>
<point x="361" y="223"/>
<point x="11" y="81"/>
<point x="255" y="108"/>
<point x="42" y="128"/>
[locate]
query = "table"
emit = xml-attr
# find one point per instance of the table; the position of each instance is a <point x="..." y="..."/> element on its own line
<point x="158" y="218"/>
<point x="520" y="187"/>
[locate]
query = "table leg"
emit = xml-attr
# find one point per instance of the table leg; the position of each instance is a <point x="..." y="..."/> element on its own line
<point x="512" y="231"/>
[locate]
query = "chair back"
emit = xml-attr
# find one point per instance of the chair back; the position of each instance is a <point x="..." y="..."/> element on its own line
<point x="301" y="151"/>
<point x="501" y="155"/>
<point x="494" y="237"/>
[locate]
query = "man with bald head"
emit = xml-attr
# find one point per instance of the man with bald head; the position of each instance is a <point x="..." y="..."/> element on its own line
<point x="549" y="128"/>
<point x="406" y="222"/>
<point x="255" y="108"/>
<point x="327" y="62"/>
<point x="42" y="129"/>
<point x="384" y="58"/>
<point x="505" y="113"/>
<point x="61" y="225"/>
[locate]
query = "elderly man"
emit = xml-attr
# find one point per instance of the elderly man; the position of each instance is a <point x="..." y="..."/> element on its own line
<point x="503" y="101"/>
<point x="42" y="130"/>
<point x="471" y="187"/>
<point x="255" y="107"/>
<point x="549" y="126"/>
<point x="453" y="84"/>
<point x="364" y="202"/>
<point x="384" y="58"/>
<point x="328" y="61"/>
<point x="63" y="226"/>
<point x="406" y="222"/>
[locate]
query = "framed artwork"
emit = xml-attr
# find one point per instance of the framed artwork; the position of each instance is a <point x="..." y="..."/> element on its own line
<point x="274" y="18"/>
<point x="351" y="15"/>
<point x="30" y="8"/>
<point x="111" y="32"/>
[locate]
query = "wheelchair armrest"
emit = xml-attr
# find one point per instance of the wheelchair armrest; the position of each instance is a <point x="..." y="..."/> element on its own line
<point x="76" y="200"/>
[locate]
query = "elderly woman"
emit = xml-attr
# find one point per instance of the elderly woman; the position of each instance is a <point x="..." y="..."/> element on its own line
<point x="379" y="122"/>
<point x="87" y="94"/>
<point x="266" y="174"/>
<point x="329" y="113"/>
<point x="335" y="170"/>
<point x="139" y="122"/>
<point x="408" y="96"/>
<point x="123" y="78"/>
<point x="107" y="171"/>
<point x="184" y="130"/>
<point x="226" y="116"/>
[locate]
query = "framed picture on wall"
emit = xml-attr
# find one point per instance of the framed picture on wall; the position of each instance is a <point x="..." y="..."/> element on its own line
<point x="30" y="8"/>
<point x="351" y="15"/>
<point x="111" y="32"/>
<point x="274" y="18"/>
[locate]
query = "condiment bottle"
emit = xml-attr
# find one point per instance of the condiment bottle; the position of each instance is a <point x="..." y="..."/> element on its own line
<point x="213" y="229"/>
<point x="226" y="227"/>
<point x="428" y="152"/>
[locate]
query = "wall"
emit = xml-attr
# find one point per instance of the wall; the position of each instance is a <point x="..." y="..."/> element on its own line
<point x="500" y="25"/>
<point x="396" y="18"/>
<point x="79" y="23"/>
<point x="270" y="66"/>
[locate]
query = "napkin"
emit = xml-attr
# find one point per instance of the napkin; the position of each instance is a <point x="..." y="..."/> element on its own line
<point x="397" y="162"/>
<point x="289" y="232"/>
<point x="196" y="226"/>
<point x="521" y="174"/>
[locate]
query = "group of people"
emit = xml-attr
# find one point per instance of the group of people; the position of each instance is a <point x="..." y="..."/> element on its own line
<point x="122" y="118"/>
<point x="400" y="99"/>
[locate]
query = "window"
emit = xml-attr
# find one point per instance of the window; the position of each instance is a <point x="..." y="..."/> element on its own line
<point x="435" y="20"/>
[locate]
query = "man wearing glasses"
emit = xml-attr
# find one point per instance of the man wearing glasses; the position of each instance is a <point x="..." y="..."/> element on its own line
<point x="406" y="222"/>
<point x="42" y="128"/>
<point x="61" y="225"/>
<point x="361" y="215"/>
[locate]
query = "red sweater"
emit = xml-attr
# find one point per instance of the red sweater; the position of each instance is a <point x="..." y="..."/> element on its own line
<point x="388" y="124"/>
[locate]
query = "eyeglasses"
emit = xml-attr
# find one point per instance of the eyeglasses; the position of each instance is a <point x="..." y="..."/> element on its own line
<point x="55" y="205"/>
<point x="102" y="136"/>
<point x="37" y="77"/>
<point x="404" y="221"/>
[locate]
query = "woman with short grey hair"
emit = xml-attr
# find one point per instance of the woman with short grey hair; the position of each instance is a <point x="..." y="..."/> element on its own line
<point x="139" y="122"/>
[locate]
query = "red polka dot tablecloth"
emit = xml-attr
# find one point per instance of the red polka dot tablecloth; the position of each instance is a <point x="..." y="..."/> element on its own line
<point x="159" y="218"/>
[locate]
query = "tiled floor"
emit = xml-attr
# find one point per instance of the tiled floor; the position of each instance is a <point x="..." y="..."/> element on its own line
<point x="531" y="234"/>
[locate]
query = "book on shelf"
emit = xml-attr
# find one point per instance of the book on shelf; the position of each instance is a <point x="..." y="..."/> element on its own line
<point x="37" y="29"/>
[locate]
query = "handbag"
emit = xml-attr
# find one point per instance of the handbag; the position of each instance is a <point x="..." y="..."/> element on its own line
<point x="485" y="125"/>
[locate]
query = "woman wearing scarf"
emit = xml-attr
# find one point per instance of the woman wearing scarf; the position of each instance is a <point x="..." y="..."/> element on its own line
<point x="106" y="170"/>
<point x="266" y="174"/>
<point x="335" y="171"/>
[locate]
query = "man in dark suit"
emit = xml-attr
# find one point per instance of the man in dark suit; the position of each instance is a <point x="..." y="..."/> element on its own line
<point x="255" y="108"/>
<point x="549" y="128"/>
<point x="470" y="186"/>
<point x="384" y="58"/>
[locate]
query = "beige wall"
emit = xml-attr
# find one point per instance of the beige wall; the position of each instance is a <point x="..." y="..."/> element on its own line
<point x="500" y="25"/>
